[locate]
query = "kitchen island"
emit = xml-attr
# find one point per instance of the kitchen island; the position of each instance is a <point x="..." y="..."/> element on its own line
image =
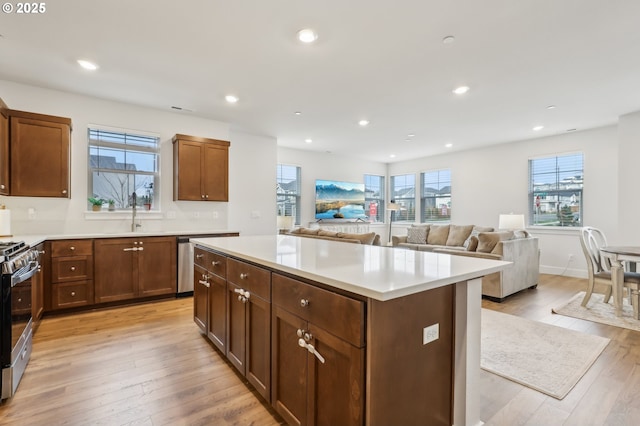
<point x="337" y="333"/>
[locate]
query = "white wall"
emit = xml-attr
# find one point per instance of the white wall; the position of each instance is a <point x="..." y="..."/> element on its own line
<point x="320" y="165"/>
<point x="494" y="180"/>
<point x="69" y="216"/>
<point x="629" y="199"/>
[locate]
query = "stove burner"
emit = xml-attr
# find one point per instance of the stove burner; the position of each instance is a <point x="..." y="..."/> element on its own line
<point x="9" y="248"/>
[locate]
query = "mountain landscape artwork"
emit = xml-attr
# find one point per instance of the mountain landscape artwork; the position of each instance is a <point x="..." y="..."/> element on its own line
<point x="339" y="200"/>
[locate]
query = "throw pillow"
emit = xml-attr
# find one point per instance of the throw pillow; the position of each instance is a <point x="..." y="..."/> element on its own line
<point x="363" y="238"/>
<point x="487" y="241"/>
<point x="458" y="234"/>
<point x="438" y="235"/>
<point x="417" y="235"/>
<point x="473" y="243"/>
<point x="474" y="233"/>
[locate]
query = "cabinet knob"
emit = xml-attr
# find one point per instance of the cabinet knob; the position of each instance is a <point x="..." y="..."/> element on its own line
<point x="72" y="248"/>
<point x="244" y="276"/>
<point x="64" y="191"/>
<point x="73" y="293"/>
<point x="141" y="243"/>
<point x="206" y="196"/>
<point x="1" y="186"/>
<point x="202" y="195"/>
<point x="73" y="268"/>
<point x="304" y="303"/>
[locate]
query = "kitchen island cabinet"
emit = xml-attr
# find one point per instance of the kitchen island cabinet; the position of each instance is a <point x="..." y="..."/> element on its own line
<point x="366" y="334"/>
<point x="210" y="296"/>
<point x="132" y="268"/>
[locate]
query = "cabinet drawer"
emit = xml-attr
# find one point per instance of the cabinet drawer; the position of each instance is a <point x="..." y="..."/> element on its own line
<point x="71" y="248"/>
<point x="319" y="306"/>
<point x="72" y="268"/>
<point x="69" y="295"/>
<point x="252" y="278"/>
<point x="212" y="262"/>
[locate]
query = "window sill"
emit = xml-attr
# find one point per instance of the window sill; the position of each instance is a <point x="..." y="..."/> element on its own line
<point x="123" y="214"/>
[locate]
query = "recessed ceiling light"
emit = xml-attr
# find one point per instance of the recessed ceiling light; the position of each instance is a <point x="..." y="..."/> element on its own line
<point x="363" y="123"/>
<point x="410" y="135"/>
<point x="448" y="39"/>
<point x="87" y="65"/>
<point x="551" y="107"/>
<point x="461" y="90"/>
<point x="308" y="140"/>
<point x="297" y="113"/>
<point x="538" y="128"/>
<point x="307" y="35"/>
<point x="449" y="145"/>
<point x="232" y="99"/>
<point x="392" y="156"/>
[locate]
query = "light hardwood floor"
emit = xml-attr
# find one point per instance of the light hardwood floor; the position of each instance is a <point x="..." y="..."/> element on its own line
<point x="149" y="365"/>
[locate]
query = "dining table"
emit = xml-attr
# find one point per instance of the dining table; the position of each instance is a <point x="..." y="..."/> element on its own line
<point x="618" y="255"/>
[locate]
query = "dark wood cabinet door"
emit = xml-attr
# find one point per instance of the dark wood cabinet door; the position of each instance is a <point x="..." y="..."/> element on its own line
<point x="157" y="266"/>
<point x="116" y="269"/>
<point x="289" y="367"/>
<point x="200" y="298"/>
<point x="39" y="157"/>
<point x="188" y="171"/>
<point x="37" y="290"/>
<point x="216" y="172"/>
<point x="335" y="394"/>
<point x="258" y="346"/>
<point x="236" y="327"/>
<point x="217" y="312"/>
<point x="4" y="149"/>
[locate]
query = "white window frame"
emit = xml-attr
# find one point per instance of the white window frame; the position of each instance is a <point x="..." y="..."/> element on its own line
<point x="439" y="215"/>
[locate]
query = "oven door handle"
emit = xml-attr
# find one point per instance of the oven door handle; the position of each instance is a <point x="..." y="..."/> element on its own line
<point x="17" y="279"/>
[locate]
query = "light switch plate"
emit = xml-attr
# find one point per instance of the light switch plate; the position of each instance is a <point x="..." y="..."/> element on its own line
<point x="431" y="333"/>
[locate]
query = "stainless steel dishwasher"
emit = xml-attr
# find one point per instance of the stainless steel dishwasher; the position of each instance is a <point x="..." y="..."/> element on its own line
<point x="185" y="267"/>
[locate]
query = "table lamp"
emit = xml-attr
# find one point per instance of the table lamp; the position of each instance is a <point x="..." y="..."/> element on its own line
<point x="511" y="222"/>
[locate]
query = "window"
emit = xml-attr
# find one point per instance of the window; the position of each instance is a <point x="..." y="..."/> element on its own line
<point x="555" y="190"/>
<point x="121" y="164"/>
<point x="403" y="192"/>
<point x="374" y="197"/>
<point x="435" y="196"/>
<point x="288" y="191"/>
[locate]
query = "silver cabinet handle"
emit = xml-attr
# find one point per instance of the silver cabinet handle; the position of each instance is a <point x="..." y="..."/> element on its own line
<point x="131" y="249"/>
<point x="215" y="262"/>
<point x="304" y="303"/>
<point x="199" y="256"/>
<point x="244" y="276"/>
<point x="205" y="283"/>
<point x="310" y="348"/>
<point x="140" y="248"/>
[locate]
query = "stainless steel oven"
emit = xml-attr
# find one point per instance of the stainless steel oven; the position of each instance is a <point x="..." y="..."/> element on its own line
<point x="19" y="263"/>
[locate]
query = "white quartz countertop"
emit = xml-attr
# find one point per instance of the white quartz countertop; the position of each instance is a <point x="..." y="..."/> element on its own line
<point x="33" y="240"/>
<point x="381" y="273"/>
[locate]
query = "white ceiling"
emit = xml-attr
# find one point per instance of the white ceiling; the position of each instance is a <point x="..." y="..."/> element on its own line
<point x="376" y="59"/>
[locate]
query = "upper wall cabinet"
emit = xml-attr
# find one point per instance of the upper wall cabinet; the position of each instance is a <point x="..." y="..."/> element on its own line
<point x="4" y="149"/>
<point x="201" y="169"/>
<point x="40" y="155"/>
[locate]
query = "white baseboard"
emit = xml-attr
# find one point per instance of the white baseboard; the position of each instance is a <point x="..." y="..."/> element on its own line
<point x="568" y="272"/>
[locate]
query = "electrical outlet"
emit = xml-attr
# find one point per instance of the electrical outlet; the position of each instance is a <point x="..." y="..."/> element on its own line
<point x="431" y="333"/>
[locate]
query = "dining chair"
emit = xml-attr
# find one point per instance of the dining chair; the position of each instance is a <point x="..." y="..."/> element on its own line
<point x="599" y="265"/>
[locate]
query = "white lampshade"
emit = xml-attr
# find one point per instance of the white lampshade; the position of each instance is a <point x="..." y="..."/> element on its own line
<point x="511" y="221"/>
<point x="393" y="206"/>
<point x="285" y="222"/>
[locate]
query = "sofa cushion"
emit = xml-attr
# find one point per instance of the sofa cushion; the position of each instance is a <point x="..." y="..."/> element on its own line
<point x="364" y="238"/>
<point x="458" y="234"/>
<point x="474" y="233"/>
<point x="438" y="235"/>
<point x="487" y="241"/>
<point x="417" y="234"/>
<point x="472" y="243"/>
<point x="324" y="233"/>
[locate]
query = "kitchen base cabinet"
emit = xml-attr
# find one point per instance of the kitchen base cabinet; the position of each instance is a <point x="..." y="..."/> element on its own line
<point x="71" y="280"/>
<point x="210" y="296"/>
<point x="133" y="268"/>
<point x="249" y="323"/>
<point x="200" y="298"/>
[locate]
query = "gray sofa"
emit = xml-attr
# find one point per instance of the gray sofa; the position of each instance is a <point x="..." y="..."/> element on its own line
<point x="519" y="248"/>
<point x="370" y="238"/>
<point x="468" y="240"/>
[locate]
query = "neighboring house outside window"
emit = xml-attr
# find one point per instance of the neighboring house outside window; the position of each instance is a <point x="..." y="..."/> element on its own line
<point x="403" y="192"/>
<point x="435" y="196"/>
<point x="288" y="191"/>
<point x="121" y="163"/>
<point x="555" y="190"/>
<point x="374" y="197"/>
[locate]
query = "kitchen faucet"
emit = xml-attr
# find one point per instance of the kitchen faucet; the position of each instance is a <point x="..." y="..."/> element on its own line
<point x="134" y="225"/>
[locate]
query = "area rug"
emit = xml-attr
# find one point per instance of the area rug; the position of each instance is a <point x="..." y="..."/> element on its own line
<point x="597" y="311"/>
<point x="541" y="356"/>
